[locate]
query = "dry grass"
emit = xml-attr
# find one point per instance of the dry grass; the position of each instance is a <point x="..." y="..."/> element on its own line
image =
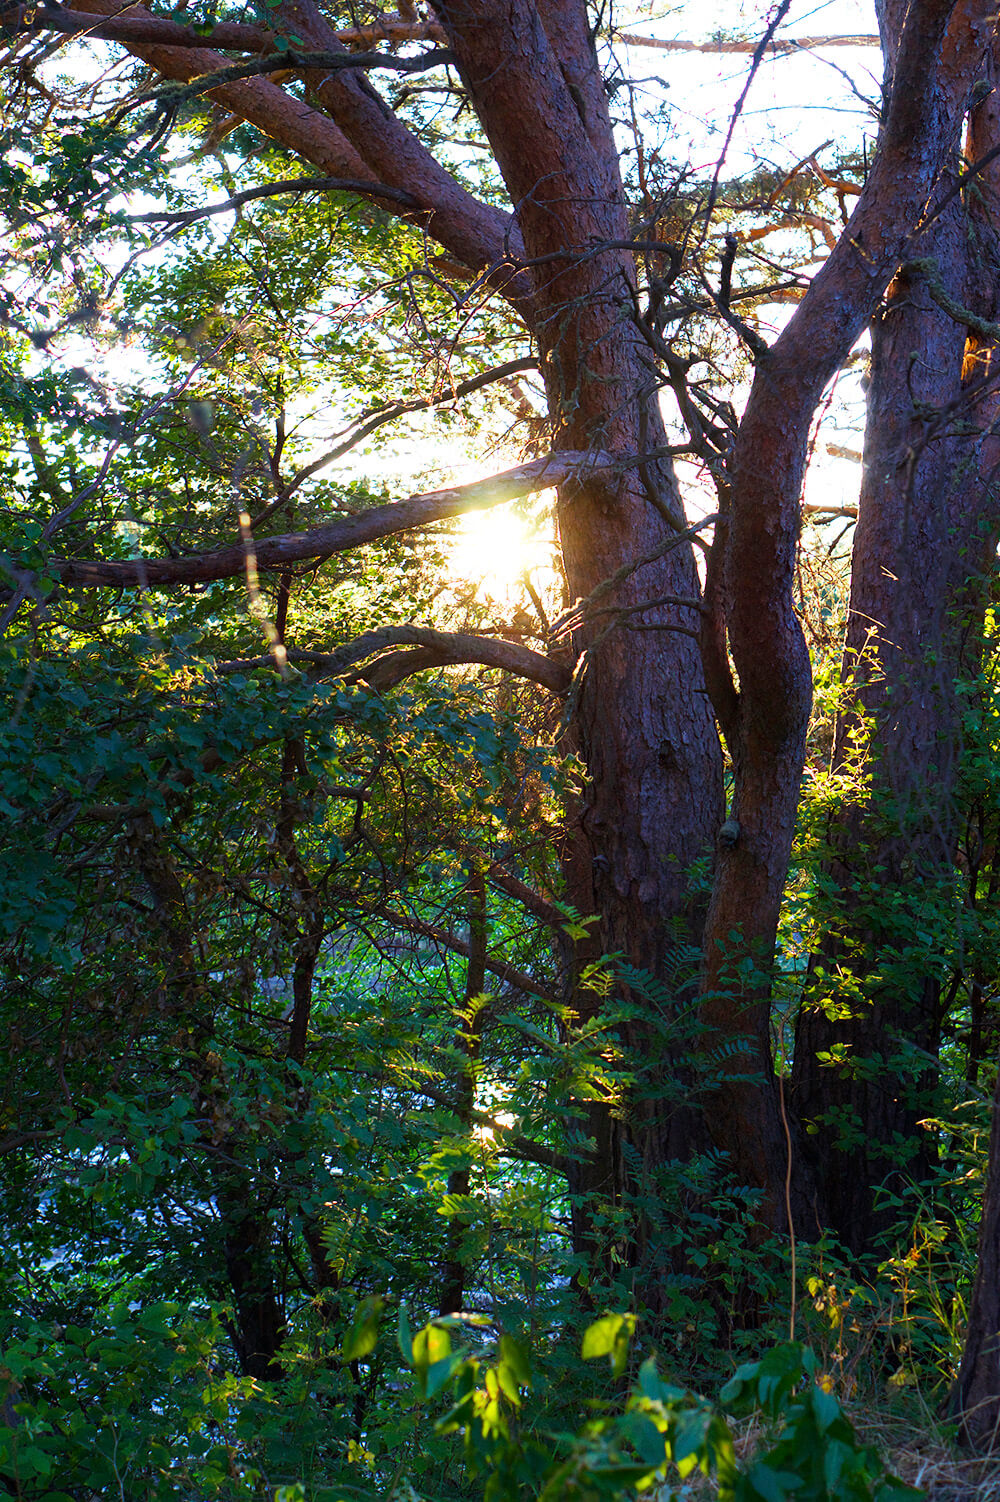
<point x="913" y="1444"/>
<point x="918" y="1450"/>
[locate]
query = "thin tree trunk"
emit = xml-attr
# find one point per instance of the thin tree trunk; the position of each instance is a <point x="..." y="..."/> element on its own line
<point x="258" y="1326"/>
<point x="467" y="1039"/>
<point x="975" y="1397"/>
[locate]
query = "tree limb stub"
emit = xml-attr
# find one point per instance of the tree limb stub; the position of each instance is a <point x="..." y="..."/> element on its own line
<point x="332" y="537"/>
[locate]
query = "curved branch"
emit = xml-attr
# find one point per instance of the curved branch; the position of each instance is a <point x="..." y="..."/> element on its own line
<point x="338" y="536"/>
<point x="434" y="649"/>
<point x="354" y="138"/>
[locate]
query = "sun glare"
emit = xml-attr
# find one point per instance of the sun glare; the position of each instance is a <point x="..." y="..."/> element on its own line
<point x="484" y="1133"/>
<point x="495" y="549"/>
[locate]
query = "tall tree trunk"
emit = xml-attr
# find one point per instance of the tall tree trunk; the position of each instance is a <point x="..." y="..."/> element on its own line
<point x="642" y="720"/>
<point x="766" y="730"/>
<point x="925" y="538"/>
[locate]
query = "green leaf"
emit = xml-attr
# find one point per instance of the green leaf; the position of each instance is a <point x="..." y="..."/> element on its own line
<point x="404" y="1337"/>
<point x="363" y="1333"/>
<point x="514" y="1356"/>
<point x="609" y="1336"/>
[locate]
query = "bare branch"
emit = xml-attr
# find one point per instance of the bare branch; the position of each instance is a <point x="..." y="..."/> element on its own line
<point x="538" y="906"/>
<point x="289" y="59"/>
<point x="848" y="511"/>
<point x="230" y="36"/>
<point x="783" y="48"/>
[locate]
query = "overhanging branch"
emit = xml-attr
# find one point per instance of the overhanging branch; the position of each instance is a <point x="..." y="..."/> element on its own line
<point x="338" y="536"/>
<point x="435" y="649"/>
<point x="782" y="47"/>
<point x="297" y="62"/>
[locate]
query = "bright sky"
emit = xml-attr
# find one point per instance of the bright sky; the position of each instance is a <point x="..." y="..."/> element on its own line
<point x="795" y="105"/>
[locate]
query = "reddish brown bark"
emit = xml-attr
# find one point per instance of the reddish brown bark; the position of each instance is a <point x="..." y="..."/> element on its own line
<point x="645" y="731"/>
<point x="352" y="135"/>
<point x="925" y="536"/>
<point x="643" y="722"/>
<point x="767" y="737"/>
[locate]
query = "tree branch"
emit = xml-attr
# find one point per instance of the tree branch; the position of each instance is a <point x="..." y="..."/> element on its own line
<point x="338" y="536"/>
<point x="298" y="62"/>
<point x="232" y="36"/>
<point x="440" y="649"/>
<point x="351" y="136"/>
<point x="782" y="48"/>
<point x="273" y="190"/>
<point x="538" y="906"/>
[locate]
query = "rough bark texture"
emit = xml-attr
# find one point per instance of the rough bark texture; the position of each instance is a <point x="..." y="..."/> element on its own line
<point x="642" y="720"/>
<point x="645" y="732"/>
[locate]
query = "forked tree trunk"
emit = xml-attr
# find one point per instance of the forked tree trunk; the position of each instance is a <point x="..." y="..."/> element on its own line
<point x="767" y="730"/>
<point x="924" y="542"/>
